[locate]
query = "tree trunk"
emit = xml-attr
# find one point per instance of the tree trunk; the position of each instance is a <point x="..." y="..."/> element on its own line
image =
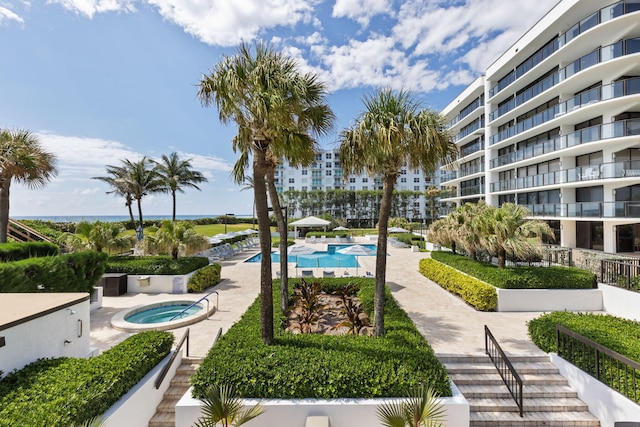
<point x="4" y="209"/>
<point x="502" y="255"/>
<point x="173" y="195"/>
<point x="133" y="221"/>
<point x="264" y="232"/>
<point x="282" y="229"/>
<point x="381" y="256"/>
<point x="140" y="210"/>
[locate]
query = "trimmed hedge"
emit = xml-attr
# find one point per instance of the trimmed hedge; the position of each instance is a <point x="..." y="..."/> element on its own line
<point x="323" y="366"/>
<point x="154" y="264"/>
<point x="76" y="272"/>
<point x="520" y="277"/>
<point x="480" y="295"/>
<point x="64" y="391"/>
<point x="205" y="278"/>
<point x="17" y="251"/>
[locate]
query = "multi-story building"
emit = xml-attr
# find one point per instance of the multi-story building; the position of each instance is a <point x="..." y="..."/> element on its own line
<point x="326" y="174"/>
<point x="554" y="125"/>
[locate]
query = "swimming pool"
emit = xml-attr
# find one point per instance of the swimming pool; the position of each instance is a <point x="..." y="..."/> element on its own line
<point x="161" y="315"/>
<point x="321" y="259"/>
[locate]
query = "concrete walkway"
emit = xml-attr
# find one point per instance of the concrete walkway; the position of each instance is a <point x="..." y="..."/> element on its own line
<point x="448" y="323"/>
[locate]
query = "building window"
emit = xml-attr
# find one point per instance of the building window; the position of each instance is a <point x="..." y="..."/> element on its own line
<point x="327" y="156"/>
<point x="328" y="172"/>
<point x="304" y="188"/>
<point x="416" y="188"/>
<point x="416" y="179"/>
<point x="352" y="187"/>
<point x="305" y="172"/>
<point x="403" y="179"/>
<point x="364" y="187"/>
<point x="352" y="180"/>
<point x="403" y="171"/>
<point x="318" y="157"/>
<point x="328" y="165"/>
<point x="292" y="180"/>
<point x="292" y="188"/>
<point x="365" y="180"/>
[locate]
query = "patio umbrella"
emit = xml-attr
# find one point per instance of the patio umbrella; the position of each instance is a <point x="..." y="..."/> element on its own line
<point x="397" y="230"/>
<point x="250" y="231"/>
<point x="356" y="250"/>
<point x="214" y="240"/>
<point x="340" y="228"/>
<point x="299" y="250"/>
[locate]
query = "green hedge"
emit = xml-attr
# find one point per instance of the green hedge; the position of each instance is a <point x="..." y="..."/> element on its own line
<point x="323" y="366"/>
<point x="64" y="391"/>
<point x="154" y="264"/>
<point x="520" y="277"/>
<point x="77" y="272"/>
<point x="17" y="251"/>
<point x="205" y="278"/>
<point x="480" y="295"/>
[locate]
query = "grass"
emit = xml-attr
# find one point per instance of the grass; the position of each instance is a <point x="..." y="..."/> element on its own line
<point x="213" y="229"/>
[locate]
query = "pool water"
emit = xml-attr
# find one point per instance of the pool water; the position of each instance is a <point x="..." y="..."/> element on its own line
<point x="321" y="259"/>
<point x="163" y="313"/>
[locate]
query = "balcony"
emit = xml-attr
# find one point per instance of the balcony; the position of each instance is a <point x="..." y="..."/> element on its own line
<point x="471" y="170"/>
<point x="476" y="190"/>
<point x="591" y="134"/>
<point x="580" y="174"/>
<point x="468" y="130"/>
<point x="587" y="210"/>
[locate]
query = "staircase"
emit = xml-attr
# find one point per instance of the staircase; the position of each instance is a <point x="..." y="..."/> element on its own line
<point x="548" y="399"/>
<point x="165" y="415"/>
<point x="21" y="233"/>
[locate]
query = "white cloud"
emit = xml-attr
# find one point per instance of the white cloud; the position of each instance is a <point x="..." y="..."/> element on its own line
<point x="91" y="7"/>
<point x="361" y="11"/>
<point x="228" y="22"/>
<point x="7" y="15"/>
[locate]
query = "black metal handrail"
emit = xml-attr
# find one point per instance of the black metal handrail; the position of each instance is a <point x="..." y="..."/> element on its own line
<point x="612" y="369"/>
<point x="506" y="370"/>
<point x="206" y="297"/>
<point x="165" y="368"/>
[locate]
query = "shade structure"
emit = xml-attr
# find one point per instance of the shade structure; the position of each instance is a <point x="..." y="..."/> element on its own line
<point x="298" y="250"/>
<point x="214" y="241"/>
<point x="356" y="250"/>
<point x="397" y="230"/>
<point x="309" y="222"/>
<point x="340" y="228"/>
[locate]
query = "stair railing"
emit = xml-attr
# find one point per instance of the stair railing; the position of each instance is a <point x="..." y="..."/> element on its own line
<point x="506" y="370"/>
<point x="165" y="368"/>
<point x="204" y="298"/>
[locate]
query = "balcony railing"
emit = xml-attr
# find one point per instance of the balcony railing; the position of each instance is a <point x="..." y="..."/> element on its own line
<point x="587" y="210"/>
<point x="472" y="191"/>
<point x="449" y="176"/>
<point x="474" y="148"/>
<point x="582" y="173"/>
<point x="471" y="170"/>
<point x="614" y="90"/>
<point x="468" y="130"/>
<point x="603" y="15"/>
<point x="591" y="134"/>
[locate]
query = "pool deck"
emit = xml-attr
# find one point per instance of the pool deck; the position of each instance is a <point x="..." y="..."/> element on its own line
<point x="448" y="323"/>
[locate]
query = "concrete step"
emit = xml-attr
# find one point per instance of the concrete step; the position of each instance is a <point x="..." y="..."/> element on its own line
<point x="495" y="379"/>
<point x="554" y="404"/>
<point x="181" y="380"/>
<point x="533" y="419"/>
<point x="162" y="420"/>
<point x="174" y="391"/>
<point x="472" y="358"/>
<point x="520" y="367"/>
<point x="471" y="391"/>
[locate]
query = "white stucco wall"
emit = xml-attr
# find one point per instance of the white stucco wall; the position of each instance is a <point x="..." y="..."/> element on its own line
<point x="155" y="284"/>
<point x="549" y="300"/>
<point x="45" y="337"/>
<point x="136" y="408"/>
<point x="605" y="403"/>
<point x="620" y="302"/>
<point x="341" y="412"/>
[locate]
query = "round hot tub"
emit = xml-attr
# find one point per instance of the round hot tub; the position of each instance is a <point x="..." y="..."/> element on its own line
<point x="161" y="316"/>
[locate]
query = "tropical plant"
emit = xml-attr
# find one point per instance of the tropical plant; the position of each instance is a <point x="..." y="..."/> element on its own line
<point x="393" y="132"/>
<point x="355" y="316"/>
<point x="221" y="406"/>
<point x="23" y="160"/>
<point x="507" y="231"/>
<point x="421" y="409"/>
<point x="306" y="305"/>
<point x="432" y="193"/>
<point x="276" y="108"/>
<point x="179" y="237"/>
<point x="118" y="178"/>
<point x="98" y="236"/>
<point x="176" y="174"/>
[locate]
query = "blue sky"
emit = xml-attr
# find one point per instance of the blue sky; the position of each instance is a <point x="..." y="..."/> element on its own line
<point x="103" y="80"/>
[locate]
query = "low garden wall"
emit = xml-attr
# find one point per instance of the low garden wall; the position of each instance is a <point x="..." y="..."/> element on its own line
<point x="549" y="300"/>
<point x="156" y="284"/>
<point x="620" y="302"/>
<point x="341" y="412"/>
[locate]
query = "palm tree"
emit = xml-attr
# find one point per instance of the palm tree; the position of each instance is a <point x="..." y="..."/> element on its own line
<point x="142" y="179"/>
<point x="421" y="409"/>
<point x="220" y="405"/>
<point x="175" y="237"/>
<point x="274" y="107"/>
<point x="176" y="174"/>
<point x="248" y="185"/>
<point x="22" y="159"/>
<point x="391" y="133"/>
<point x="118" y="178"/>
<point x="98" y="236"/>
<point x="432" y="193"/>
<point x="507" y="231"/>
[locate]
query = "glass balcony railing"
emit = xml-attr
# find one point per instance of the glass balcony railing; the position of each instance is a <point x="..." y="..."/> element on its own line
<point x="602" y="93"/>
<point x="473" y="148"/>
<point x="471" y="170"/>
<point x="449" y="176"/>
<point x="587" y="210"/>
<point x="468" y="130"/>
<point x="591" y="134"/>
<point x="472" y="191"/>
<point x="603" y="15"/>
<point x="582" y="173"/>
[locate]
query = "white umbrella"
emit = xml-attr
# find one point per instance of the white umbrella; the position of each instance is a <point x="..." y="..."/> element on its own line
<point x="250" y="231"/>
<point x="299" y="250"/>
<point x="340" y="228"/>
<point x="397" y="230"/>
<point x="356" y="250"/>
<point x="214" y="241"/>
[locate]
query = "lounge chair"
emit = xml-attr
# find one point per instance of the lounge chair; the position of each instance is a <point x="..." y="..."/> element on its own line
<point x="306" y="273"/>
<point x="328" y="273"/>
<point x="369" y="274"/>
<point x="312" y="239"/>
<point x="323" y="239"/>
<point x="346" y="274"/>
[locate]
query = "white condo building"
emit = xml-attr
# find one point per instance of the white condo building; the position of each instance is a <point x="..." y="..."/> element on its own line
<point x="554" y="124"/>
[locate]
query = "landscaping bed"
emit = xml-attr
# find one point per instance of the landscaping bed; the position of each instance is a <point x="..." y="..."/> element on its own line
<point x="320" y="366"/>
<point x="162" y="265"/>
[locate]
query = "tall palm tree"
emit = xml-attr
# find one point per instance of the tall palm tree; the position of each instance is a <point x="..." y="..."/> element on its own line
<point x="273" y="104"/>
<point x="176" y="174"/>
<point x="143" y="179"/>
<point x="23" y="160"/>
<point x="391" y="133"/>
<point x="248" y="185"/>
<point x="118" y="178"/>
<point x="507" y="231"/>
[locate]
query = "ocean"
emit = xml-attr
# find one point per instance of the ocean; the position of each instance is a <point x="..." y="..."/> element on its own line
<point x="113" y="218"/>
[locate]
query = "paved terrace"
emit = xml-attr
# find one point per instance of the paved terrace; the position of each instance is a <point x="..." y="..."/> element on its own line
<point x="448" y="323"/>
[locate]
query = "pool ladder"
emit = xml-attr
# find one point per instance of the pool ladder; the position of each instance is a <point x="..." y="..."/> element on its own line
<point x="206" y="297"/>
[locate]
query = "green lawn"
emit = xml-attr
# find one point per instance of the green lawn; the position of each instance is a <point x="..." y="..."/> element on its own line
<point x="213" y="229"/>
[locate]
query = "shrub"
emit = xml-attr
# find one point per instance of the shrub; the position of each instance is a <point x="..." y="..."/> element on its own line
<point x="154" y="265"/>
<point x="323" y="366"/>
<point x="77" y="272"/>
<point x="17" y="251"/>
<point x="63" y="391"/>
<point x="480" y="295"/>
<point x="520" y="277"/>
<point x="205" y="278"/>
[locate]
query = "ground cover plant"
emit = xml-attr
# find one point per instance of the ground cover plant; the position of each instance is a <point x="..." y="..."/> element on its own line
<point x="519" y="277"/>
<point x="154" y="264"/>
<point x="323" y="366"/>
<point x="68" y="391"/>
